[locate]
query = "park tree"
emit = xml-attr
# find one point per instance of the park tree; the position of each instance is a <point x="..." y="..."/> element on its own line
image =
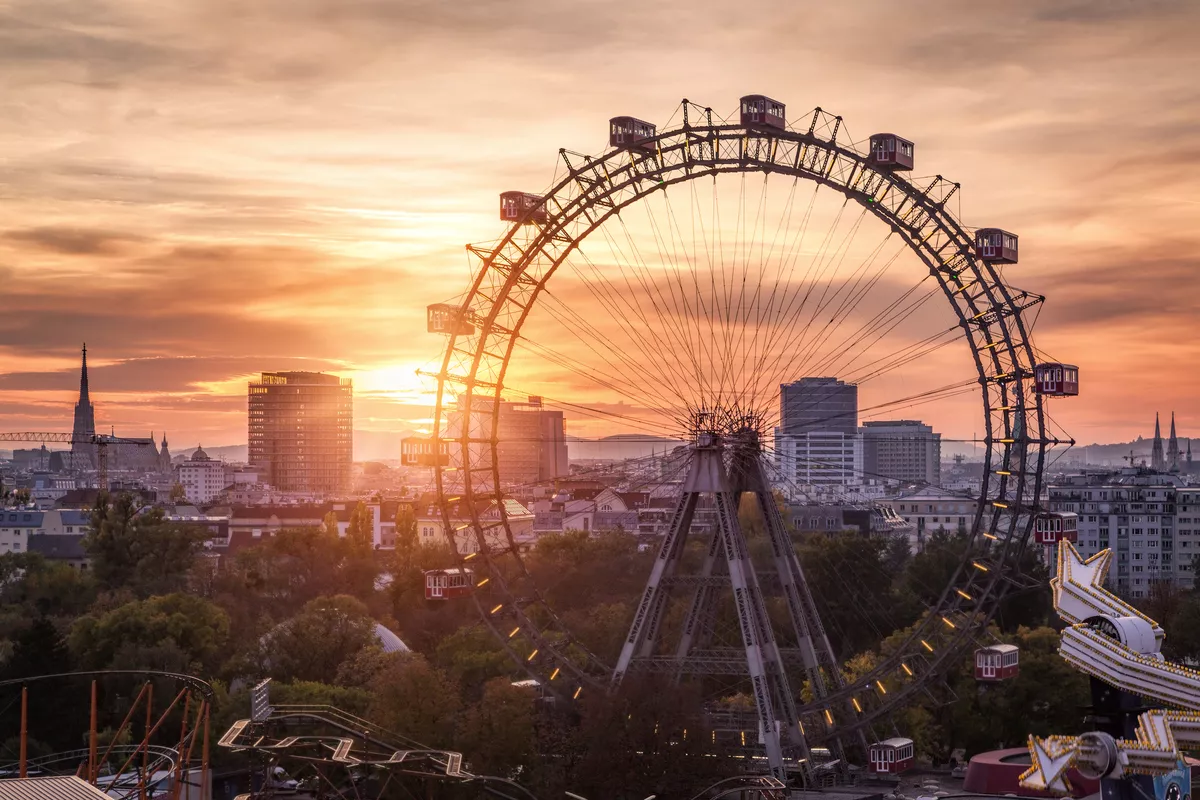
<point x="313" y="644"/>
<point x="360" y="532"/>
<point x="498" y="734"/>
<point x="137" y="548"/>
<point x="418" y="699"/>
<point x="329" y="525"/>
<point x="177" y="631"/>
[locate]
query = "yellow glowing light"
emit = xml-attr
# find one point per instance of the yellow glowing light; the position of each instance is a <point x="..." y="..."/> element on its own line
<point x="857" y="707"/>
<point x="828" y="717"/>
<point x="998" y="504"/>
<point x="927" y="645"/>
<point x="532" y="655"/>
<point x="482" y="582"/>
<point x="993" y="537"/>
<point x="964" y="595"/>
<point x="554" y="674"/>
<point x="515" y="631"/>
<point x="576" y="695"/>
<point x="906" y="669"/>
<point x="497" y="608"/>
<point x="468" y="558"/>
<point x="948" y="622"/>
<point x="979" y="566"/>
<point x="882" y="690"/>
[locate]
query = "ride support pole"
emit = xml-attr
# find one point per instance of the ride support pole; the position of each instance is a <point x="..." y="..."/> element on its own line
<point x="91" y="773"/>
<point x="187" y="706"/>
<point x="24" y="730"/>
<point x="146" y="755"/>
<point x="204" y="784"/>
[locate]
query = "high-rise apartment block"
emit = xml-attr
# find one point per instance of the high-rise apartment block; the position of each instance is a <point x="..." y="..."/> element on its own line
<point x="1150" y="520"/>
<point x="903" y="450"/>
<point x="817" y="441"/>
<point x="301" y="431"/>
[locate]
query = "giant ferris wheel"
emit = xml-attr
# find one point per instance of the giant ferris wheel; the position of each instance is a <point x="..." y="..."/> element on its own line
<point x="668" y="286"/>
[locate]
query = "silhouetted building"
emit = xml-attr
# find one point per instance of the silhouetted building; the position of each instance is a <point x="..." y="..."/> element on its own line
<point x="301" y="431"/>
<point x="903" y="450"/>
<point x="533" y="443"/>
<point x="83" y="453"/>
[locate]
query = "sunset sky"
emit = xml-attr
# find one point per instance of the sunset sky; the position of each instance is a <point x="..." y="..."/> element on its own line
<point x="205" y="190"/>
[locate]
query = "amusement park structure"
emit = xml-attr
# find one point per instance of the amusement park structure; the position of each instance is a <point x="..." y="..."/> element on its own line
<point x="701" y="319"/>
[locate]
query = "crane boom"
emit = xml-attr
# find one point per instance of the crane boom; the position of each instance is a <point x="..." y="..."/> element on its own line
<point x="101" y="441"/>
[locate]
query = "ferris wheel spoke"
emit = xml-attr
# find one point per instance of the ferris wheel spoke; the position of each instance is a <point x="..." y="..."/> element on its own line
<point x="644" y="389"/>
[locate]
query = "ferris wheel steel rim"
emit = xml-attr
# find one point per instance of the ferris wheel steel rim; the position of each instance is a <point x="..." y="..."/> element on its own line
<point x="989" y="312"/>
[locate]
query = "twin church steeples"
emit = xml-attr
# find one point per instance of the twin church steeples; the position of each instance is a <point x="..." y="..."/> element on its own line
<point x="1171" y="459"/>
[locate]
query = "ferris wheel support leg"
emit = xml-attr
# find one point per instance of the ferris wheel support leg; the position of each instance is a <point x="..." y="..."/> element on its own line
<point x="773" y="697"/>
<point x="648" y="617"/>
<point x="815" y="648"/>
<point x="703" y="601"/>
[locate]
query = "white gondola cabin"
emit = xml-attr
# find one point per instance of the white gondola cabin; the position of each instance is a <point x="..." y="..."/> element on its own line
<point x="1051" y="527"/>
<point x="997" y="663"/>
<point x="446" y="318"/>
<point x="760" y="111"/>
<point x="891" y="756"/>
<point x="446" y="584"/>
<point x="889" y="151"/>
<point x="424" y="451"/>
<point x="996" y="246"/>
<point x="1056" y="380"/>
<point x="630" y="133"/>
<point x="522" y="207"/>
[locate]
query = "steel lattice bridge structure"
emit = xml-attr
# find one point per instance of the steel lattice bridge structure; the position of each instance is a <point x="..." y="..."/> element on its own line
<point x="686" y="316"/>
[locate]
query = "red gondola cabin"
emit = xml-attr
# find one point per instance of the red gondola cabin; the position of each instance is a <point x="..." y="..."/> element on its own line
<point x="889" y="151"/>
<point x="759" y="111"/>
<point x="1056" y="380"/>
<point x="446" y="318"/>
<point x="446" y="584"/>
<point x="1052" y="527"/>
<point x="891" y="756"/>
<point x="998" y="662"/>
<point x="522" y="207"/>
<point x="996" y="246"/>
<point x="424" y="451"/>
<point x="629" y="133"/>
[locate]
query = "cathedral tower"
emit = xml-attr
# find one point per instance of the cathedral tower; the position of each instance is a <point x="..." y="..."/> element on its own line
<point x="1173" y="453"/>
<point x="84" y="427"/>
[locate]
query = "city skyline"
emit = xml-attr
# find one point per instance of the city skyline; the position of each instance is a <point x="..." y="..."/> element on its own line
<point x="312" y="217"/>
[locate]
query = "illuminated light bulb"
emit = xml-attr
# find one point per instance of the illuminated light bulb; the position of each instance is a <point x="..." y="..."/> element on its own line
<point x="515" y="631"/>
<point x="857" y="707"/>
<point x="949" y="623"/>
<point x="880" y="685"/>
<point x="576" y="695"/>
<point x="482" y="582"/>
<point x="906" y="669"/>
<point x="554" y="674"/>
<point x="828" y="717"/>
<point x="497" y="608"/>
<point x="927" y="645"/>
<point x="532" y="655"/>
<point x="964" y="595"/>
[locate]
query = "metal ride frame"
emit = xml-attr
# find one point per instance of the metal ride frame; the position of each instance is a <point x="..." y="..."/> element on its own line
<point x="514" y="272"/>
<point x="178" y="760"/>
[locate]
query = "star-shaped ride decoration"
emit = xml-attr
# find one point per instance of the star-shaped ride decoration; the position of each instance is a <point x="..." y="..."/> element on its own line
<point x="1052" y="757"/>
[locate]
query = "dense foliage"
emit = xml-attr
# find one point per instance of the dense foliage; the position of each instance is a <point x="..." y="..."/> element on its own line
<point x="302" y="608"/>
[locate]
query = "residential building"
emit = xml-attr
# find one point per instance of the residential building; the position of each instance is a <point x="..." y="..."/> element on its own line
<point x="932" y="509"/>
<point x="16" y="526"/>
<point x="431" y="525"/>
<point x="202" y="477"/>
<point x="906" y="451"/>
<point x="301" y="431"/>
<point x="65" y="548"/>
<point x="817" y="443"/>
<point x="1150" y="520"/>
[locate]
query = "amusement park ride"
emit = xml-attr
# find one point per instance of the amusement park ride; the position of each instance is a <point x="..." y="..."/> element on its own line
<point x="1134" y="751"/>
<point x="713" y="386"/>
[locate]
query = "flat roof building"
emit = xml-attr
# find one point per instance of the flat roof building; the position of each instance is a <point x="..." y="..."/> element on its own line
<point x="301" y="431"/>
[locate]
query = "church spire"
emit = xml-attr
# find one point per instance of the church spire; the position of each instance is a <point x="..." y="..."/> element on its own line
<point x="84" y="427"/>
<point x="1173" y="447"/>
<point x="1158" y="461"/>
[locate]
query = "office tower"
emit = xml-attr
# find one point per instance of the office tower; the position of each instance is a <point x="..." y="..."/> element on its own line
<point x="902" y="450"/>
<point x="301" y="431"/>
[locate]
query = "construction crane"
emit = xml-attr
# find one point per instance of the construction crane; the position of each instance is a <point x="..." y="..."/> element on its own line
<point x="101" y="441"/>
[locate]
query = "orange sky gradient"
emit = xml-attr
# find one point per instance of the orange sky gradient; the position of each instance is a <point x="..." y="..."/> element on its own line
<point x="206" y="190"/>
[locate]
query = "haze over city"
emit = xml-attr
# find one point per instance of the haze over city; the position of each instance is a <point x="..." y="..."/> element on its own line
<point x="203" y="191"/>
